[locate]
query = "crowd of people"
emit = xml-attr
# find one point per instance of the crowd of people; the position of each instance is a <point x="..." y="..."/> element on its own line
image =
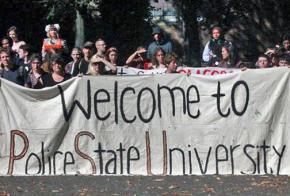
<point x="49" y="67"/>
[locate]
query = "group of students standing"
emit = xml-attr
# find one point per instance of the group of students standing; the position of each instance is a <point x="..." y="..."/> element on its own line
<point x="49" y="67"/>
<point x="219" y="52"/>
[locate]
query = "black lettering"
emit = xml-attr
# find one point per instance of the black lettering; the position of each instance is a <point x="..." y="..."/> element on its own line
<point x="171" y="92"/>
<point x="121" y="150"/>
<point x="280" y="157"/>
<point x="54" y="164"/>
<point x="130" y="158"/>
<point x="192" y="101"/>
<point x="249" y="157"/>
<point x="122" y="105"/>
<point x="218" y="159"/>
<point x="96" y="101"/>
<point x="113" y="161"/>
<point x="218" y="98"/>
<point x="265" y="147"/>
<point x="100" y="152"/>
<point x="233" y="97"/>
<point x="42" y="157"/>
<point x="67" y="114"/>
<point x="39" y="163"/>
<point x="203" y="171"/>
<point x="182" y="156"/>
<point x="116" y="101"/>
<point x="258" y="162"/>
<point x="232" y="149"/>
<point x="139" y="105"/>
<point x="189" y="160"/>
<point x="65" y="162"/>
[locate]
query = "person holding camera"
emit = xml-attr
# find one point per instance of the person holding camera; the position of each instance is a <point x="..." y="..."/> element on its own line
<point x="286" y="45"/>
<point x="213" y="48"/>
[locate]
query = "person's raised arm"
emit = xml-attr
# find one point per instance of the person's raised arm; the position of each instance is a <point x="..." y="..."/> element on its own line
<point x="137" y="52"/>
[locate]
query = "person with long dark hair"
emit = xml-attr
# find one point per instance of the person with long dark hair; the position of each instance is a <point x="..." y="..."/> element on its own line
<point x="158" y="60"/>
<point x="13" y="34"/>
<point x="227" y="60"/>
<point x="57" y="74"/>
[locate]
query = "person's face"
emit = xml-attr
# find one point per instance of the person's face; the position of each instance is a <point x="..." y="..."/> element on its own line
<point x="157" y="37"/>
<point x="286" y="44"/>
<point x="263" y="62"/>
<point x="225" y="53"/>
<point x="160" y="57"/>
<point x="75" y="55"/>
<point x="13" y="35"/>
<point x="35" y="64"/>
<point x="101" y="46"/>
<point x="87" y="52"/>
<point x="216" y="33"/>
<point x="5" y="43"/>
<point x="5" y="58"/>
<point x="22" y="54"/>
<point x="113" y="56"/>
<point x="274" y="60"/>
<point x="172" y="65"/>
<point x="283" y="63"/>
<point x="96" y="67"/>
<point x="52" y="33"/>
<point x="56" y="68"/>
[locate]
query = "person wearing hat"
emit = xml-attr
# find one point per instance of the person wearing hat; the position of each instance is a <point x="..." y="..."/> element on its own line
<point x="158" y="42"/>
<point x="87" y="52"/>
<point x="53" y="43"/>
<point x="97" y="66"/>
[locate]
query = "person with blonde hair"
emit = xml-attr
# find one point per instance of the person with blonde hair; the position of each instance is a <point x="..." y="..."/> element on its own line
<point x="97" y="67"/>
<point x="171" y="63"/>
<point x="53" y="42"/>
<point x="112" y="55"/>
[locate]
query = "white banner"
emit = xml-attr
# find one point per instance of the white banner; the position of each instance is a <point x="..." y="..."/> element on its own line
<point x="129" y="71"/>
<point x="169" y="124"/>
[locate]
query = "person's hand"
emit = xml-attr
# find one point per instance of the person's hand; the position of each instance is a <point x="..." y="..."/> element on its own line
<point x="142" y="50"/>
<point x="270" y="51"/>
<point x="99" y="59"/>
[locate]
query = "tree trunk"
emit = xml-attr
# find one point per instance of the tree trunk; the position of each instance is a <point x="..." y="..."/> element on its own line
<point x="192" y="49"/>
<point x="80" y="34"/>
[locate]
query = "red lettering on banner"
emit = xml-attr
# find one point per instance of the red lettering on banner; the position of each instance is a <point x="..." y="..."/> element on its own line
<point x="214" y="72"/>
<point x="206" y="71"/>
<point x="12" y="156"/>
<point x="83" y="155"/>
